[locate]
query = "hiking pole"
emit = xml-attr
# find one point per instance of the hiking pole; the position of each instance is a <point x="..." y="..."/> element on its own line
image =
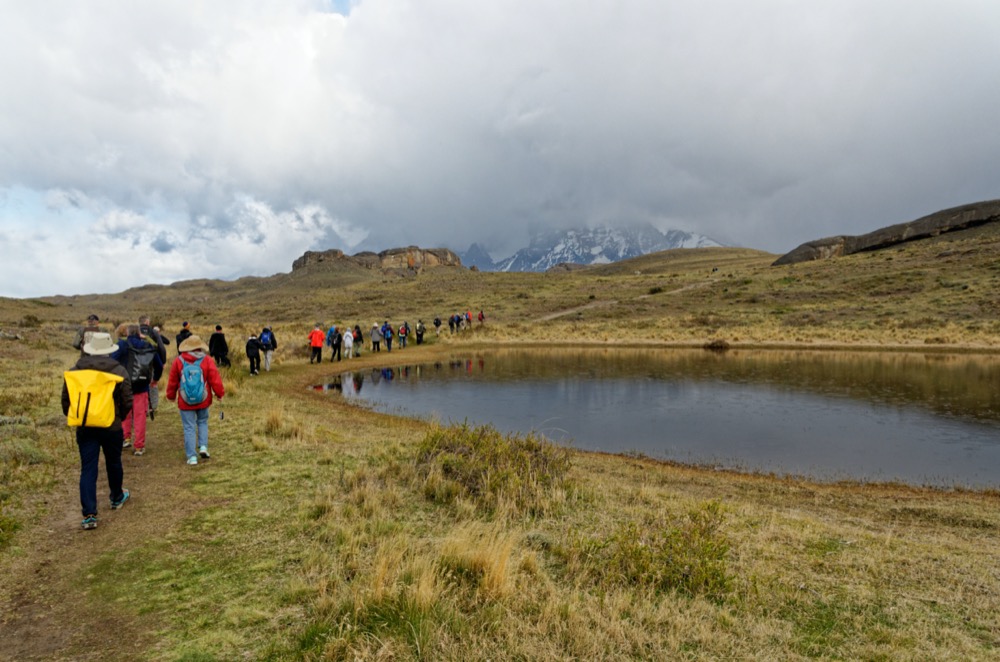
<point x="222" y="412"/>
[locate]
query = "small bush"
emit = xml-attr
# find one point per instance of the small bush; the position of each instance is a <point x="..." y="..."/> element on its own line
<point x="687" y="555"/>
<point x="497" y="471"/>
<point x="655" y="290"/>
<point x="717" y="345"/>
<point x="8" y="527"/>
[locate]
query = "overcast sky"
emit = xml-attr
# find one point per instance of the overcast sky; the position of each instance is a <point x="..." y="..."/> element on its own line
<point x="150" y="142"/>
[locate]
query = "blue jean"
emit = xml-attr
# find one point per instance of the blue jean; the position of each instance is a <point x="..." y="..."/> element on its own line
<point x="91" y="442"/>
<point x="195" y="424"/>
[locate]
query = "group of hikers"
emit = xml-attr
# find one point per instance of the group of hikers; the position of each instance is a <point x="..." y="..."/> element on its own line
<point x="112" y="391"/>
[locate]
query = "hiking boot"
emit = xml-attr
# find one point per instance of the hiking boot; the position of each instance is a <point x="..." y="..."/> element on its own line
<point x="89" y="522"/>
<point x="115" y="505"/>
<point x="139" y="451"/>
<point x="203" y="451"/>
<point x="193" y="459"/>
<point x="127" y="443"/>
<point x="152" y="414"/>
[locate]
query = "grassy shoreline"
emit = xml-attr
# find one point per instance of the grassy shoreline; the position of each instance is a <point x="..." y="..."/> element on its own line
<point x="317" y="533"/>
<point x="324" y="531"/>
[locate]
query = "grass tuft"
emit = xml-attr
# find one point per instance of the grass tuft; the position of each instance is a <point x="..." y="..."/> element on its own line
<point x="687" y="555"/>
<point x="523" y="475"/>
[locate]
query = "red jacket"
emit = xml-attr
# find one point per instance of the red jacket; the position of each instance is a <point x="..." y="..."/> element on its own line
<point x="213" y="380"/>
<point x="317" y="338"/>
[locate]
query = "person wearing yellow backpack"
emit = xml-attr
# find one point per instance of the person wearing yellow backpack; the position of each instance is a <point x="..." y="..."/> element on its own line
<point x="96" y="396"/>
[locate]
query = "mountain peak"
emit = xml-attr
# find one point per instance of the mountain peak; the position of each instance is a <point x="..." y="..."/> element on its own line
<point x="597" y="245"/>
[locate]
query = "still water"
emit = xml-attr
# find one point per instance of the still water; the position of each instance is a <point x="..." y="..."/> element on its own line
<point x="926" y="419"/>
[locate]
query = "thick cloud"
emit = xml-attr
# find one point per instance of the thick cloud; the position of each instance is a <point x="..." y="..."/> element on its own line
<point x="179" y="140"/>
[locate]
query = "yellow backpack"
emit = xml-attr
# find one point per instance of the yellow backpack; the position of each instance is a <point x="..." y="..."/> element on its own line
<point x="91" y="398"/>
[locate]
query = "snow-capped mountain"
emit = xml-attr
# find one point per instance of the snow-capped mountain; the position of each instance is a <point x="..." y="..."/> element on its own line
<point x="599" y="245"/>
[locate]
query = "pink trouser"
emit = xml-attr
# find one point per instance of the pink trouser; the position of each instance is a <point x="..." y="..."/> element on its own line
<point x="137" y="419"/>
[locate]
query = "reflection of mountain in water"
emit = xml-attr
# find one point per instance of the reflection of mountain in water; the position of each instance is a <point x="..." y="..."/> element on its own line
<point x="956" y="385"/>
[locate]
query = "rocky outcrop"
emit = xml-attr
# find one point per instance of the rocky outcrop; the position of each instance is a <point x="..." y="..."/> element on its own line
<point x="313" y="257"/>
<point x="948" y="220"/>
<point x="417" y="258"/>
<point x="411" y="258"/>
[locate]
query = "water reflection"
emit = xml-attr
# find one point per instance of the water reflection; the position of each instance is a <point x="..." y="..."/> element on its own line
<point x="929" y="419"/>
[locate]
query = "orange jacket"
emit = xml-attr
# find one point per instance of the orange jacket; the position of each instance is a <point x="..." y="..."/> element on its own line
<point x="317" y="338"/>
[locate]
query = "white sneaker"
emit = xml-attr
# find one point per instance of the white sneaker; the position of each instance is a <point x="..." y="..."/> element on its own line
<point x="203" y="451"/>
<point x="193" y="459"/>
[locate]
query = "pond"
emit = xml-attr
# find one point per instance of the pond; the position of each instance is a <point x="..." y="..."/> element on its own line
<point x="925" y="419"/>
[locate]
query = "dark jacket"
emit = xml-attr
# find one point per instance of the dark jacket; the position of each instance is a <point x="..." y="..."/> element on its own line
<point x="158" y="340"/>
<point x="122" y="357"/>
<point x="273" y="345"/>
<point x="254" y="348"/>
<point x="123" y="391"/>
<point x="217" y="345"/>
<point x="182" y="336"/>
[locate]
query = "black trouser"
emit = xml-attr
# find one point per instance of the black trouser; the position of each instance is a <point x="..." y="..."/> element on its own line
<point x="91" y="442"/>
<point x="317" y="355"/>
<point x="254" y="364"/>
<point x="334" y="352"/>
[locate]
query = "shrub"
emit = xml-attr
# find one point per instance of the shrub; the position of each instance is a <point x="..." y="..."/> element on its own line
<point x="496" y="471"/>
<point x="687" y="555"/>
<point x="717" y="345"/>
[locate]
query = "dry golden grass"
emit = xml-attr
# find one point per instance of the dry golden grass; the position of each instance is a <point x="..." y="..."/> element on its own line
<point x="320" y="531"/>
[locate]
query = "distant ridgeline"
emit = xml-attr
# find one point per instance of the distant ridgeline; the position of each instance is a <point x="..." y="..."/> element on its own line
<point x="411" y="259"/>
<point x="948" y="220"/>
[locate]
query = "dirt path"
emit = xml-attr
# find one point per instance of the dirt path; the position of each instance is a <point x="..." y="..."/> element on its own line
<point x="605" y="304"/>
<point x="571" y="311"/>
<point x="49" y="606"/>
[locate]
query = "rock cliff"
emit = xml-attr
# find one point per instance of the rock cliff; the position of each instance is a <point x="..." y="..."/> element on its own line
<point x="411" y="258"/>
<point x="948" y="220"/>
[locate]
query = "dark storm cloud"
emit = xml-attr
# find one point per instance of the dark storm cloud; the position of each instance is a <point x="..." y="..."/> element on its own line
<point x="289" y="126"/>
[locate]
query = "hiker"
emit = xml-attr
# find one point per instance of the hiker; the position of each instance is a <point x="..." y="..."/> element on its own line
<point x="451" y="324"/>
<point x="420" y="329"/>
<point x="86" y="332"/>
<point x="269" y="342"/>
<point x="334" y="340"/>
<point x="144" y="368"/>
<point x="387" y="334"/>
<point x="254" y="348"/>
<point x="153" y="334"/>
<point x="482" y="318"/>
<point x="183" y="335"/>
<point x="437" y="325"/>
<point x="376" y="338"/>
<point x="91" y="441"/>
<point x="359" y="340"/>
<point x="403" y="333"/>
<point x="348" y="343"/>
<point x="218" y="348"/>
<point x="316" y="339"/>
<point x="121" y="333"/>
<point x="193" y="379"/>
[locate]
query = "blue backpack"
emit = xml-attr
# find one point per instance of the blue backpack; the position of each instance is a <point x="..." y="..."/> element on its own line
<point x="192" y="388"/>
<point x="265" y="339"/>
